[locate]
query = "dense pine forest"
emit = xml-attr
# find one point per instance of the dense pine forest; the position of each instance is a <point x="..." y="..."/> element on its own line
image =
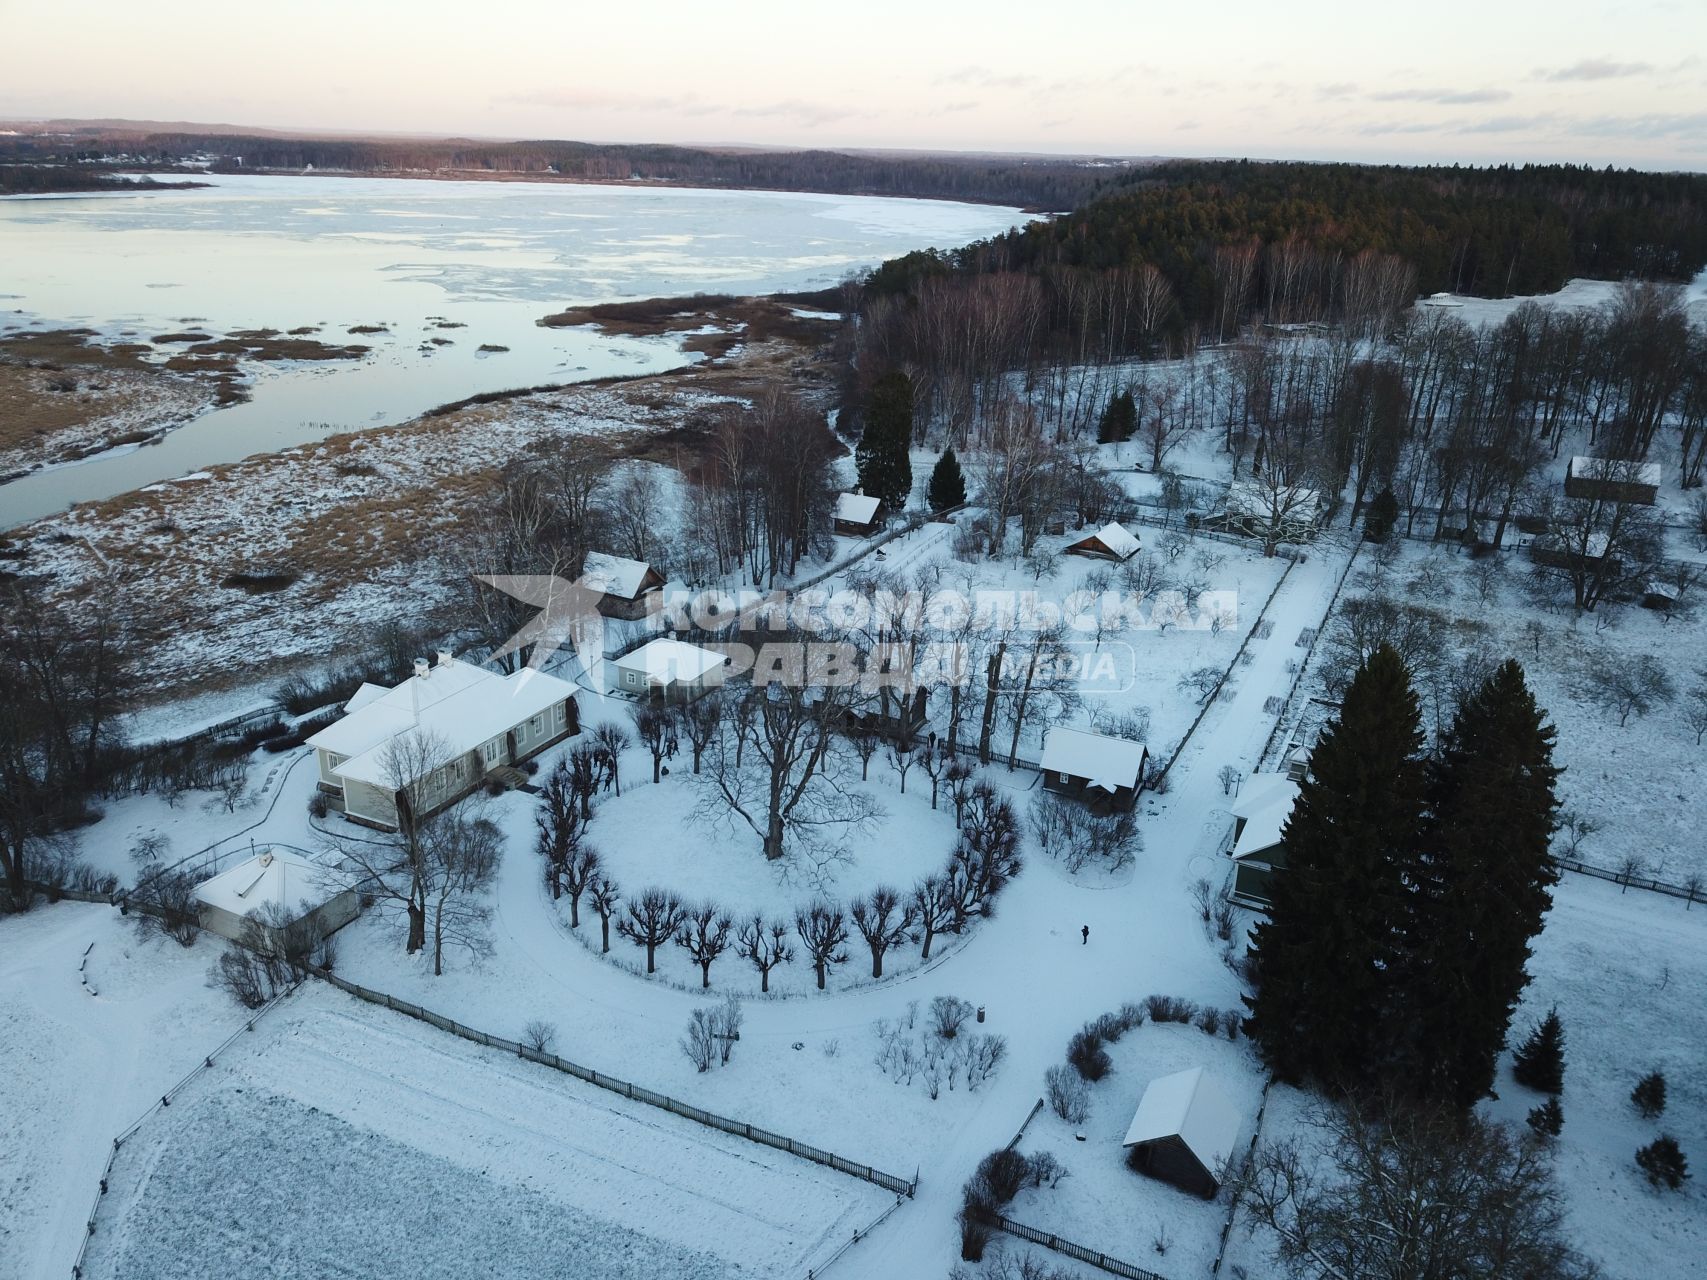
<point x="1296" y="241"/>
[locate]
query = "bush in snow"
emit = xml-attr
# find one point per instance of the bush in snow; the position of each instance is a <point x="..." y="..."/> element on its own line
<point x="699" y="1042"/>
<point x="948" y="1013"/>
<point x="1664" y="1162"/>
<point x="1068" y="1097"/>
<point x="1649" y="1095"/>
<point x="168" y="903"/>
<point x="540" y="1036"/>
<point x="1169" y="1009"/>
<point x="1548" y="1118"/>
<point x="1087" y="1056"/>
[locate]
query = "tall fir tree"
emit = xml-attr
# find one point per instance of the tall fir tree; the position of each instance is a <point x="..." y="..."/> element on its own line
<point x="947" y="484"/>
<point x="1325" y="960"/>
<point x="1482" y="890"/>
<point x="1119" y="420"/>
<point x="1539" y="1062"/>
<point x="885" y="469"/>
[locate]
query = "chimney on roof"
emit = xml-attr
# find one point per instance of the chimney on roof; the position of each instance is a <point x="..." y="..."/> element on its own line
<point x="445" y="658"/>
<point x="421" y="668"/>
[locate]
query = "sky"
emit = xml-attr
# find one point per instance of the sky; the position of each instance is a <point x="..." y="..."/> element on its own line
<point x="1493" y="80"/>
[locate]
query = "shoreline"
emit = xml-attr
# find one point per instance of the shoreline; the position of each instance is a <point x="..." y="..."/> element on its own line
<point x="356" y="524"/>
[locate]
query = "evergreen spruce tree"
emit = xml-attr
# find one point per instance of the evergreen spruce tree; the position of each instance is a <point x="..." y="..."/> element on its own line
<point x="1664" y="1162"/>
<point x="1119" y="420"/>
<point x="1325" y="958"/>
<point x="1480" y="891"/>
<point x="1649" y="1095"/>
<point x="1548" y="1118"/>
<point x="948" y="484"/>
<point x="1540" y="1060"/>
<point x="885" y="470"/>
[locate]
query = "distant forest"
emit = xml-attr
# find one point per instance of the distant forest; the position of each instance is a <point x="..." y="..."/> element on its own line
<point x="1041" y="183"/>
<point x="1231" y="237"/>
<point x="41" y="179"/>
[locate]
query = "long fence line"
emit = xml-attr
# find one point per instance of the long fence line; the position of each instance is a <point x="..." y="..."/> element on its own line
<point x="1210" y="698"/>
<point x="740" y="1129"/>
<point x="1250" y="1153"/>
<point x="1309" y="653"/>
<point x="1691" y="893"/>
<point x="1095" y="1257"/>
<point x="164" y="1101"/>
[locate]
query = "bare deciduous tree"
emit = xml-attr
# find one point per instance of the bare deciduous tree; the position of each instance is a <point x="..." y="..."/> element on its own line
<point x="764" y="945"/>
<point x="704" y="935"/>
<point x="1404" y="1194"/>
<point x="604" y="896"/>
<point x="650" y="921"/>
<point x="884" y="919"/>
<point x="823" y="930"/>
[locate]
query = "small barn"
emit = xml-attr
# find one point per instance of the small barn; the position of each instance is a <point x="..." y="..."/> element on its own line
<point x="1104" y="772"/>
<point x="263" y="896"/>
<point x="858" y="515"/>
<point x="1114" y="541"/>
<point x="1259" y="815"/>
<point x="1184" y="1132"/>
<point x="630" y="587"/>
<point x="666" y="670"/>
<point x="1613" y="480"/>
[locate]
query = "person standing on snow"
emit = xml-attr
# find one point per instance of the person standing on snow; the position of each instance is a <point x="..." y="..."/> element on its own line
<point x="1084" y="935"/>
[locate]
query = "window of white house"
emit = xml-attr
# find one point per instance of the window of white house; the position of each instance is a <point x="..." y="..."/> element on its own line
<point x="561" y="714"/>
<point x="1064" y="779"/>
<point x="631" y="677"/>
<point x="536" y="724"/>
<point x="492" y="752"/>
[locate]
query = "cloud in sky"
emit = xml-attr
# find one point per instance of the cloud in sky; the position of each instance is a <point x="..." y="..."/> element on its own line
<point x="1595" y="69"/>
<point x="1446" y="97"/>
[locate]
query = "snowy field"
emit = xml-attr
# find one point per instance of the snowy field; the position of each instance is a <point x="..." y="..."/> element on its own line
<point x="81" y="1063"/>
<point x="345" y="1140"/>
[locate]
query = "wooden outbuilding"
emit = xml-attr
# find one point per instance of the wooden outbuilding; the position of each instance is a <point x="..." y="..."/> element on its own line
<point x="631" y="587"/>
<point x="1114" y="541"/>
<point x="1184" y="1132"/>
<point x="1106" y="773"/>
<point x="1613" y="480"/>
<point x="858" y="515"/>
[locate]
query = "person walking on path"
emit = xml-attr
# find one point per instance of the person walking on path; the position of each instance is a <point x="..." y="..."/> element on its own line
<point x="1084" y="935"/>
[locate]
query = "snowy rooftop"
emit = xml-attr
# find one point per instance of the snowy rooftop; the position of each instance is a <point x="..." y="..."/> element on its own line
<point x="1617" y="470"/>
<point x="1117" y="538"/>
<point x="1190" y="1106"/>
<point x="614" y="575"/>
<point x="456" y="705"/>
<point x="272" y="879"/>
<point x="1106" y="762"/>
<point x="856" y="508"/>
<point x="1265" y="802"/>
<point x="665" y="661"/>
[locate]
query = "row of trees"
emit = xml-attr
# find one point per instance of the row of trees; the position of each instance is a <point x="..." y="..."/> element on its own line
<point x="1397" y="941"/>
<point x="984" y="859"/>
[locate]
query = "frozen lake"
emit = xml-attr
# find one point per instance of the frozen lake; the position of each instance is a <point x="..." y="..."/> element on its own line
<point x="417" y="257"/>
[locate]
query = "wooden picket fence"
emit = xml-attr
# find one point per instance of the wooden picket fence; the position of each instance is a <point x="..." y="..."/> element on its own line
<point x="1078" y="1252"/>
<point x="739" y="1128"/>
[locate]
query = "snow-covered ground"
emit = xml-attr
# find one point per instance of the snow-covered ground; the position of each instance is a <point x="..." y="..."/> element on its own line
<point x="342" y="1139"/>
<point x="81" y="1062"/>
